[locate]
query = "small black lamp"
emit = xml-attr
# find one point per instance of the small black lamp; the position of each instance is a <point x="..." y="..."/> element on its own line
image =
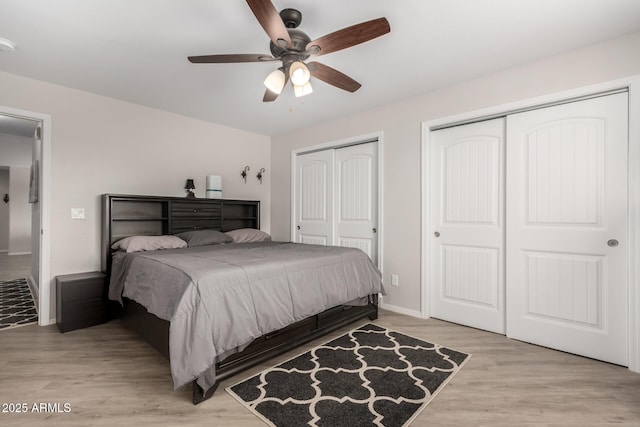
<point x="190" y="186"/>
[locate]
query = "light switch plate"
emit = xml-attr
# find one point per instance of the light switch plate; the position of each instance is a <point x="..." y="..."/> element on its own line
<point x="394" y="279"/>
<point x="77" y="213"/>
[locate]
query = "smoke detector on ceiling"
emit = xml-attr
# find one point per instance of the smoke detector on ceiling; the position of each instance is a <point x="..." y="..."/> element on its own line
<point x="7" y="45"/>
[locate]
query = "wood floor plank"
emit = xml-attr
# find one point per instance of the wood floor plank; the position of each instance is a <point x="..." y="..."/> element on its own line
<point x="110" y="377"/>
<point x="14" y="266"/>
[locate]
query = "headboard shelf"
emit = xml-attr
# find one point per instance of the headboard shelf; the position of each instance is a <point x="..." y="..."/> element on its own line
<point x="131" y="215"/>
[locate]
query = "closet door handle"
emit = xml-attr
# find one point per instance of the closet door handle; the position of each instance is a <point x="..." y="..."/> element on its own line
<point x="612" y="243"/>
<point x="375" y="230"/>
<point x="437" y="234"/>
<point x="298" y="227"/>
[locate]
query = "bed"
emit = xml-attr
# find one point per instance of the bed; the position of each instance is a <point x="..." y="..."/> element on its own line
<point x="216" y="309"/>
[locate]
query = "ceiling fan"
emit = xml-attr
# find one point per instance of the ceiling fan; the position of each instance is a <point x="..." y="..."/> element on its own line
<point x="292" y="47"/>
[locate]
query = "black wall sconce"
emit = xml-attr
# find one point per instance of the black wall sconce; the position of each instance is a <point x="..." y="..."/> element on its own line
<point x="189" y="186"/>
<point x="6" y="198"/>
<point x="243" y="174"/>
<point x="259" y="176"/>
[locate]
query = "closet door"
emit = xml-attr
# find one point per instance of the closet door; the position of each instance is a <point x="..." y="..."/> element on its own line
<point x="336" y="199"/>
<point x="467" y="239"/>
<point x="314" y="198"/>
<point x="567" y="228"/>
<point x="356" y="198"/>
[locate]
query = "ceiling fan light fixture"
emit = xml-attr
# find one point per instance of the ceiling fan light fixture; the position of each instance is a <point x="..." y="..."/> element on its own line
<point x="302" y="90"/>
<point x="7" y="45"/>
<point x="299" y="73"/>
<point x="292" y="47"/>
<point x="275" y="81"/>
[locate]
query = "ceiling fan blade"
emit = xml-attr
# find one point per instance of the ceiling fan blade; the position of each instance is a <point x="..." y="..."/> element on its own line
<point x="350" y="36"/>
<point x="333" y="77"/>
<point x="232" y="58"/>
<point x="270" y="19"/>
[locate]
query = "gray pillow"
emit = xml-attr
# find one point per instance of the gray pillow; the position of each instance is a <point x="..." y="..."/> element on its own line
<point x="148" y="243"/>
<point x="244" y="235"/>
<point x="204" y="237"/>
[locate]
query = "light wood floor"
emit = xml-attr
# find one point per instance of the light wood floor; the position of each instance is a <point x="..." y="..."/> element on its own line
<point x="14" y="266"/>
<point x="110" y="377"/>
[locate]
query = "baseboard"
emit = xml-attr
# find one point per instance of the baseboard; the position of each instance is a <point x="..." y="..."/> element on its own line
<point x="401" y="310"/>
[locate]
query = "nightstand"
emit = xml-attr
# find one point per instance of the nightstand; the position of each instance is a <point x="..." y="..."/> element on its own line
<point x="80" y="300"/>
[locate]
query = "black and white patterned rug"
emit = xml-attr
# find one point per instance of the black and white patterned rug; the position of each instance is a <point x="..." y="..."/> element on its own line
<point x="16" y="304"/>
<point x="369" y="376"/>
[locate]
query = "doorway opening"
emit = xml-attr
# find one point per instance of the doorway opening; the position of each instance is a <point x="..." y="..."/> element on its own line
<point x="24" y="218"/>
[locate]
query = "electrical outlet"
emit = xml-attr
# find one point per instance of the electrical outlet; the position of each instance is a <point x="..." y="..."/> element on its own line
<point x="394" y="280"/>
<point x="77" y="213"/>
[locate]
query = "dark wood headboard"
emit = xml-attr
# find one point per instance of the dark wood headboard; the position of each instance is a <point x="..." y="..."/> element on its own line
<point x="130" y="215"/>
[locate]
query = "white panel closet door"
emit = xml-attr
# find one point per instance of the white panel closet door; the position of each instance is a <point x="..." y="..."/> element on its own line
<point x="314" y="198"/>
<point x="467" y="242"/>
<point x="567" y="234"/>
<point x="336" y="200"/>
<point x="356" y="198"/>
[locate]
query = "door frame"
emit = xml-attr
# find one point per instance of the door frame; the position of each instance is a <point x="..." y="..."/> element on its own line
<point x="362" y="139"/>
<point x="630" y="84"/>
<point x="44" y="277"/>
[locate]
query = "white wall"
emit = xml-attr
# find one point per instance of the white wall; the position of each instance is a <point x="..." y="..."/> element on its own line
<point x="400" y="124"/>
<point x="15" y="151"/>
<point x="19" y="211"/>
<point x="102" y="145"/>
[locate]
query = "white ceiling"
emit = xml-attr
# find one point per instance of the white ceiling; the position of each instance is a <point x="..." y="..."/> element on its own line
<point x="137" y="50"/>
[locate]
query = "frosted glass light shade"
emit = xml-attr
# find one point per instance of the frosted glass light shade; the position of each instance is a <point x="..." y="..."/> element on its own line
<point x="7" y="45"/>
<point x="275" y="81"/>
<point x="302" y="90"/>
<point x="299" y="74"/>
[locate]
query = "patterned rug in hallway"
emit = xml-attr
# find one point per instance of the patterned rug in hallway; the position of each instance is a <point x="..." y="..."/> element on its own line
<point x="16" y="304"/>
<point x="371" y="376"/>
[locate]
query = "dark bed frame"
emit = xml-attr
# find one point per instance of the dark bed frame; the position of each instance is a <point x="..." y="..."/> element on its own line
<point x="129" y="215"/>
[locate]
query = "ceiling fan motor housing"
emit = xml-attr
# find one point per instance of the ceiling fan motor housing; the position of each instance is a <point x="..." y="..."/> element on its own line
<point x="299" y="41"/>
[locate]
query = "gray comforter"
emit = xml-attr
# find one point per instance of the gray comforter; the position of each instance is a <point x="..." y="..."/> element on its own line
<point x="220" y="298"/>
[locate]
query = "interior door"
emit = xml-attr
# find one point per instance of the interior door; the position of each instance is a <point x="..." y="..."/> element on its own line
<point x="467" y="212"/>
<point x="314" y="198"/>
<point x="356" y="197"/>
<point x="567" y="234"/>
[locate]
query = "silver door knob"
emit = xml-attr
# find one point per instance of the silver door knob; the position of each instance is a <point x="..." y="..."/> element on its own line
<point x="612" y="243"/>
<point x="437" y="234"/>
